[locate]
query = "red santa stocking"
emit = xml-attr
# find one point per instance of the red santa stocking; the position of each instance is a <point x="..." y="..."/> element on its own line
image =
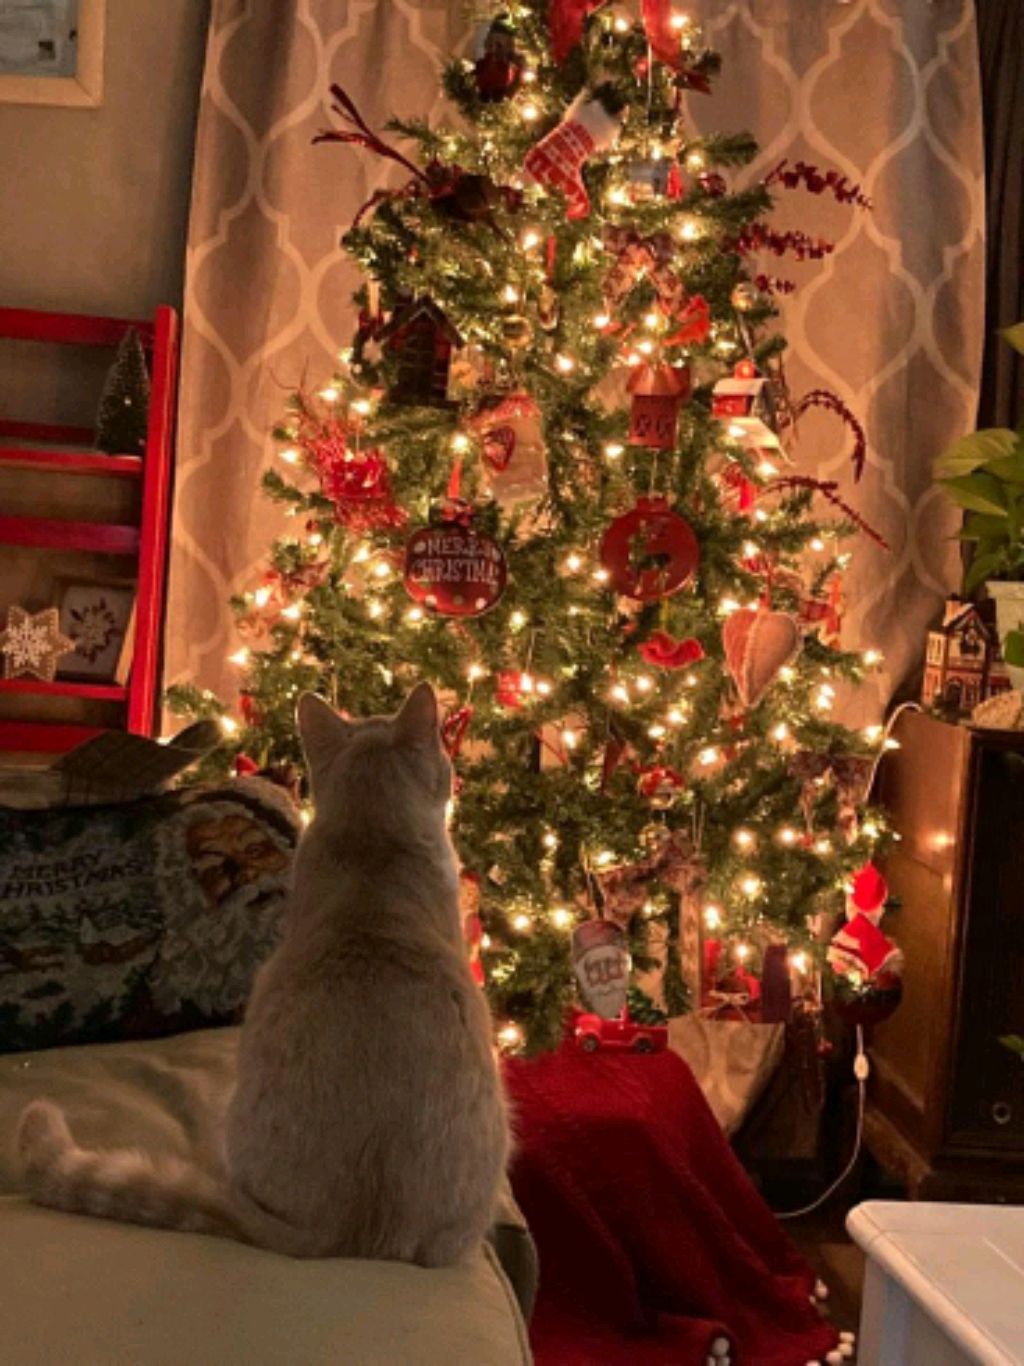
<point x="557" y="160"/>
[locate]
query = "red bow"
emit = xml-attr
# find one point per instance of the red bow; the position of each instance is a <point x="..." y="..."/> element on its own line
<point x="566" y="18"/>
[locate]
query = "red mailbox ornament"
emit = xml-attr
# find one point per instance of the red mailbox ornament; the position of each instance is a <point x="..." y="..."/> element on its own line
<point x="659" y="391"/>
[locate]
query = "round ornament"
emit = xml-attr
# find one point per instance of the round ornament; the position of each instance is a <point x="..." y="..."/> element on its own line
<point x="453" y="570"/>
<point x="661" y="785"/>
<point x="746" y="297"/>
<point x="516" y="331"/>
<point x="650" y="551"/>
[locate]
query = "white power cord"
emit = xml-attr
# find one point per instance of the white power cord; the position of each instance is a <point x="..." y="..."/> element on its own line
<point x="861" y="1070"/>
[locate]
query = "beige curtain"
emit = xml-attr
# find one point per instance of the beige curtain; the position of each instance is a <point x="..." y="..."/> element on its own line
<point x="886" y="90"/>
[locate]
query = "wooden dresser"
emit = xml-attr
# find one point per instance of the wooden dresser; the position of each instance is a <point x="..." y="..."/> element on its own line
<point x="946" y="1099"/>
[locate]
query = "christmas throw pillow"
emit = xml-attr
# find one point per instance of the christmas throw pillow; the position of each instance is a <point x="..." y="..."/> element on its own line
<point x="142" y="918"/>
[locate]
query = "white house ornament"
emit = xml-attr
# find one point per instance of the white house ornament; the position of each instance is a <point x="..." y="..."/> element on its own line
<point x="32" y="643"/>
<point x="602" y="962"/>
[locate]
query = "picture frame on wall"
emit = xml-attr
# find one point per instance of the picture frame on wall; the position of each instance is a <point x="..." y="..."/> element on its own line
<point x="51" y="52"/>
<point x="99" y="618"/>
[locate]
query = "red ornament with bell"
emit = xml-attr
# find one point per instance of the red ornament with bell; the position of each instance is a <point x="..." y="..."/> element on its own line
<point x="453" y="569"/>
<point x="658" y="392"/>
<point x="661" y="785"/>
<point x="650" y="551"/>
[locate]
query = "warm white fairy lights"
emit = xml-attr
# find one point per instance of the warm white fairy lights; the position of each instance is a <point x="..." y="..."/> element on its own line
<point x="240" y="658"/>
<point x="708" y="756"/>
<point x="712" y="917"/>
<point x="475" y="672"/>
<point x="562" y="918"/>
<point x="744" y="839"/>
<point x="750" y="885"/>
<point x="329" y="393"/>
<point x="613" y="449"/>
<point x="290" y="455"/>
<point x="228" y="725"/>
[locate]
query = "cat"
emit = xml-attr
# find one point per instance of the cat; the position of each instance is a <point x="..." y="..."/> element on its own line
<point x="368" y="1118"/>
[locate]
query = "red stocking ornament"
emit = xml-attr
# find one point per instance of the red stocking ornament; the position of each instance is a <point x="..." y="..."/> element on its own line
<point x="557" y="160"/>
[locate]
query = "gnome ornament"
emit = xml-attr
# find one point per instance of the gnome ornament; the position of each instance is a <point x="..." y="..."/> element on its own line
<point x="602" y="963"/>
<point x="591" y="124"/>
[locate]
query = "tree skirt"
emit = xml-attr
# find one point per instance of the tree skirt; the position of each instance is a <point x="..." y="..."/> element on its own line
<point x="654" y="1246"/>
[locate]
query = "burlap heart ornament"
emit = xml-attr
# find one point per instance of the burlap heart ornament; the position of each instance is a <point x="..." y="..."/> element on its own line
<point x="758" y="644"/>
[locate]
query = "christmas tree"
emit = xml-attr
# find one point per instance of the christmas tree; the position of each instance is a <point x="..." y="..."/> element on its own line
<point x="123" y="416"/>
<point x="549" y="476"/>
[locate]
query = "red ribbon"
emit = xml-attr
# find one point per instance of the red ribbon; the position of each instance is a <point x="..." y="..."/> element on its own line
<point x="566" y="19"/>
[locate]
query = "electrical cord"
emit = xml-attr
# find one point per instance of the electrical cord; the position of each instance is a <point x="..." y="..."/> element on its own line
<point x="861" y="1070"/>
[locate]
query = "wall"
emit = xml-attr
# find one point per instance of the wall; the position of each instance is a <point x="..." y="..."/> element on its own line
<point x="94" y="202"/>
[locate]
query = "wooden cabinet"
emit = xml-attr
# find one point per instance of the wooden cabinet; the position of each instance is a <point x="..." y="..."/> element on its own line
<point x="946" y="1101"/>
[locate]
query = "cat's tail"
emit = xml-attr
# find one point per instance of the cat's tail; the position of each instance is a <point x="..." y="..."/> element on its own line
<point x="130" y="1186"/>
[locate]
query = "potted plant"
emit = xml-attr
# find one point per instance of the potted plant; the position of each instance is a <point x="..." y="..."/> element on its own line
<point x="984" y="474"/>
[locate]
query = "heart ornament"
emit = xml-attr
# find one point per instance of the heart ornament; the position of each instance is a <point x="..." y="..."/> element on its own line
<point x="758" y="643"/>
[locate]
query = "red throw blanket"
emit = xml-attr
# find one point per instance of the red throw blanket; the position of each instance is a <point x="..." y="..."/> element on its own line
<point x="653" y="1242"/>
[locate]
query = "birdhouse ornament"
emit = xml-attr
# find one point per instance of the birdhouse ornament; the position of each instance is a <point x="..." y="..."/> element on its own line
<point x="743" y="402"/>
<point x="421" y="340"/>
<point x="658" y="392"/>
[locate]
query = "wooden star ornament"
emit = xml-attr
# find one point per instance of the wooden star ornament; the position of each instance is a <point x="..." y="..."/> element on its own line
<point x="32" y="643"/>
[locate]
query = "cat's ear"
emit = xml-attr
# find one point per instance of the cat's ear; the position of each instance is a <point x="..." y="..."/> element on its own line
<point x="418" y="721"/>
<point x="322" y="730"/>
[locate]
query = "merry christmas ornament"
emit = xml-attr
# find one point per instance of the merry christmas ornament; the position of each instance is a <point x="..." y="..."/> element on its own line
<point x="454" y="570"/>
<point x="32" y="643"/>
<point x="650" y="551"/>
<point x="758" y="643"/>
<point x="601" y="962"/>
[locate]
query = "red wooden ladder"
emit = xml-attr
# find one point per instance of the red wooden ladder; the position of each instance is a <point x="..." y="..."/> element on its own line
<point x="51" y="447"/>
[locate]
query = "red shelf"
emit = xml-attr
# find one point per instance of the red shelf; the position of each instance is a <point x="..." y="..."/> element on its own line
<point x="52" y="447"/>
<point x="73" y="462"/>
<point x="55" y="533"/>
<point x="40" y="738"/>
<point x="38" y="687"/>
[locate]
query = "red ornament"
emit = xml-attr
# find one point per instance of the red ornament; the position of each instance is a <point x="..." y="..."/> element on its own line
<point x="499" y="67"/>
<point x="453" y="730"/>
<point x="358" y="484"/>
<point x="870" y="893"/>
<point x="650" y="551"/>
<point x="661" y="785"/>
<point x="454" y="570"/>
<point x="659" y="391"/>
<point x="758" y="643"/>
<point x="663" y="652"/>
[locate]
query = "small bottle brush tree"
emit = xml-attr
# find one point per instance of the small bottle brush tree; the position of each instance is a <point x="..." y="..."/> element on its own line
<point x="548" y="478"/>
<point x="123" y="415"/>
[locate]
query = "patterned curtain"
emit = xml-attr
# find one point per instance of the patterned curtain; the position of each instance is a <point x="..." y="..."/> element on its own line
<point x="885" y="90"/>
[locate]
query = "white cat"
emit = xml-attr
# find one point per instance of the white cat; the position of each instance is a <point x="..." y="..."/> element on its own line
<point x="368" y="1119"/>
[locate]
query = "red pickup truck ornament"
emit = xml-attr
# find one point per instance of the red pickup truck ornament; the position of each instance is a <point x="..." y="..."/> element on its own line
<point x="592" y="1033"/>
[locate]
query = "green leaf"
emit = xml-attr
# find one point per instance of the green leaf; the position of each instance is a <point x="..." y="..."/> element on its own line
<point x="1013" y="649"/>
<point x="1014" y="335"/>
<point x="982" y="567"/>
<point x="979" y="492"/>
<point x="978" y="527"/>
<point x="1009" y="468"/>
<point x="979" y="448"/>
<point x="1015" y="1042"/>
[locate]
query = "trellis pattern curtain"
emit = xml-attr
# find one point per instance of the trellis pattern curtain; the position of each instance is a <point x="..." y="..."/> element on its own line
<point x="886" y="90"/>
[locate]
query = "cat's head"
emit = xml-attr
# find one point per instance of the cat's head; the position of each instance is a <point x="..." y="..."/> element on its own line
<point x="387" y="774"/>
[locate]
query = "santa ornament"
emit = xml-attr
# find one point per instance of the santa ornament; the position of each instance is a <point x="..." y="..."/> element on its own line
<point x="591" y="124"/>
<point x="601" y="962"/>
<point x="498" y="69"/>
<point x="758" y="644"/>
<point x="867" y="964"/>
<point x="650" y="551"/>
<point x="658" y="392"/>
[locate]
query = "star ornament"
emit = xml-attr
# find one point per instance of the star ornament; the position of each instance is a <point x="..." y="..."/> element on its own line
<point x="32" y="643"/>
